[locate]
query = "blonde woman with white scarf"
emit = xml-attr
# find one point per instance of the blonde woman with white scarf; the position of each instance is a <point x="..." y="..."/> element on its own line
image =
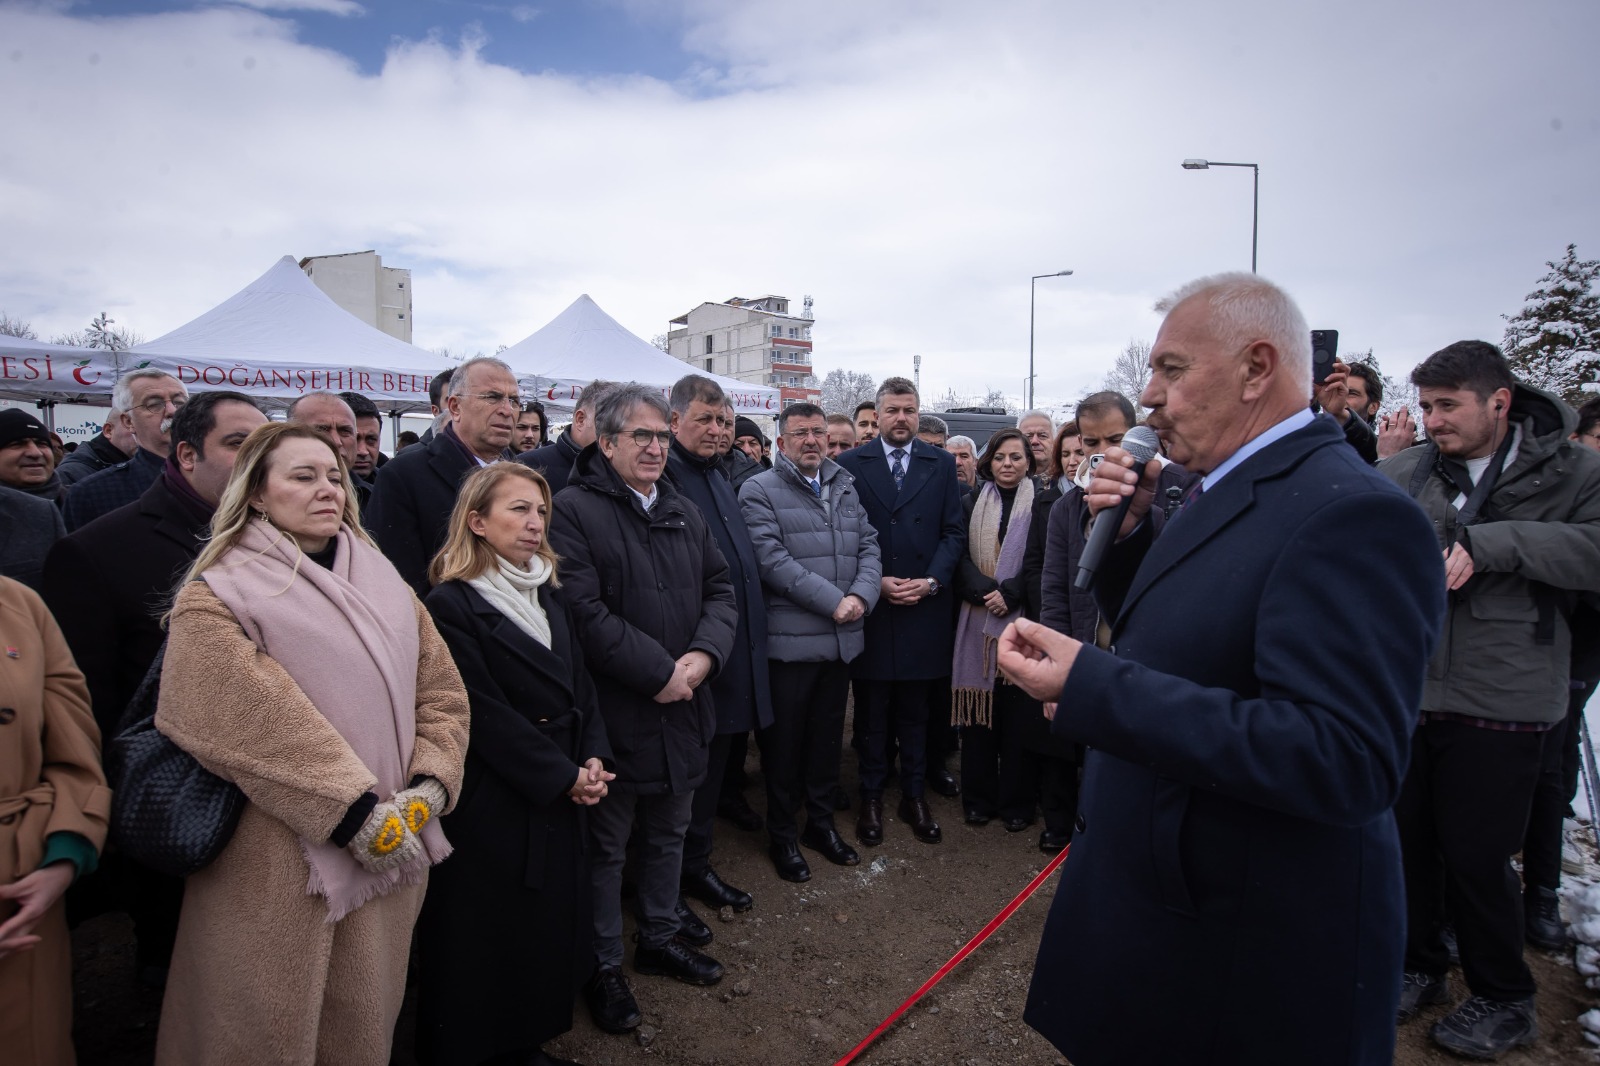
<point x="504" y="934"/>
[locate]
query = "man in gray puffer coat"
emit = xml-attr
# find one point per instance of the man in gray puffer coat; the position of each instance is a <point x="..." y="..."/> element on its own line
<point x="1516" y="505"/>
<point x="820" y="567"/>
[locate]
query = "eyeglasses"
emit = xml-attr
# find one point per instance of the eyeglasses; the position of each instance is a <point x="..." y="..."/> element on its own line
<point x="807" y="434"/>
<point x="642" y="437"/>
<point x="157" y="404"/>
<point x="495" y="399"/>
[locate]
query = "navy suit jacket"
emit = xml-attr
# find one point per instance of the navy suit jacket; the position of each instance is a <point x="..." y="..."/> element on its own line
<point x="920" y="534"/>
<point x="1234" y="889"/>
<point x="409" y="512"/>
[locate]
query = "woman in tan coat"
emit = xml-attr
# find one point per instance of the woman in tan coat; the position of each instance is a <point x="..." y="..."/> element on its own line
<point x="302" y="668"/>
<point x="54" y="806"/>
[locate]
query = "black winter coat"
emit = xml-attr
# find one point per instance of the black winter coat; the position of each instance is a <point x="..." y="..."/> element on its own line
<point x="505" y="931"/>
<point x="409" y="511"/>
<point x="644" y="589"/>
<point x="742" y="692"/>
<point x="109" y="583"/>
<point x="554" y="460"/>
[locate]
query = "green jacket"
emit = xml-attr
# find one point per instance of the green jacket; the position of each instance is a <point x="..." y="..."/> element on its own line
<point x="1535" y="547"/>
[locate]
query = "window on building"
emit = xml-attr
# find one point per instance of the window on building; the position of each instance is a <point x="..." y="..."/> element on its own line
<point x="709" y="347"/>
<point x="777" y="330"/>
<point x="708" y="366"/>
<point x="794" y="331"/>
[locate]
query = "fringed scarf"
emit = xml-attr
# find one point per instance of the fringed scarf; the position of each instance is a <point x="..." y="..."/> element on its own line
<point x="347" y="636"/>
<point x="514" y="592"/>
<point x="974" y="672"/>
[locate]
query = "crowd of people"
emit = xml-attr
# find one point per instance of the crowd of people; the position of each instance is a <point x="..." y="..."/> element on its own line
<point x="483" y="694"/>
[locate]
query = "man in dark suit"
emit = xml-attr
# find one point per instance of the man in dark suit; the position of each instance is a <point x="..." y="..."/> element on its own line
<point x="554" y="458"/>
<point x="1234" y="888"/>
<point x="29" y="527"/>
<point x="108" y="585"/>
<point x="409" y="512"/>
<point x="909" y="490"/>
<point x="149" y="400"/>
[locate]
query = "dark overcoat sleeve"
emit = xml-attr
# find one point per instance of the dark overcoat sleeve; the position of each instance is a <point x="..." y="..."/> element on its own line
<point x="393" y="517"/>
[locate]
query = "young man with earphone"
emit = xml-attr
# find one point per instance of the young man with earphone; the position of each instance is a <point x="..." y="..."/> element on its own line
<point x="1516" y="506"/>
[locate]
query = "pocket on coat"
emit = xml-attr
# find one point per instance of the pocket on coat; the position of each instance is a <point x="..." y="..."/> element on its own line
<point x="1502" y="636"/>
<point x="1168" y="808"/>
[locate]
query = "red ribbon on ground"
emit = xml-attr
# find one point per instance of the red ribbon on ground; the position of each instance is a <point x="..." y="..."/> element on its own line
<point x="955" y="960"/>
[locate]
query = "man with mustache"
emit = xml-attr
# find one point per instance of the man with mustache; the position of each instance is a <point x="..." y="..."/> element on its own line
<point x="148" y="400"/>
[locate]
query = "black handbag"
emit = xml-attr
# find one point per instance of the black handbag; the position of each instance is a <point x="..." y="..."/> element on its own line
<point x="168" y="812"/>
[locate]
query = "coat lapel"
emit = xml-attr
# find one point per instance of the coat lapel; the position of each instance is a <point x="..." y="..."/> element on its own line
<point x="509" y="635"/>
<point x="1220" y="506"/>
<point x="873" y="471"/>
<point x="919" y="471"/>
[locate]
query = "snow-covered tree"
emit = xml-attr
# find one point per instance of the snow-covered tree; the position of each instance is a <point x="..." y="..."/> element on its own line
<point x="1554" y="341"/>
<point x="843" y="389"/>
<point x="15" y="327"/>
<point x="101" y="333"/>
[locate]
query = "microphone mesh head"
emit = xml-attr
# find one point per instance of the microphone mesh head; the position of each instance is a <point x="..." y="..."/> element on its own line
<point x="1142" y="443"/>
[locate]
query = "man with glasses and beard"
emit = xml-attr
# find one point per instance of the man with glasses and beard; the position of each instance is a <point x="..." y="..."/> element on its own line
<point x="409" y="513"/>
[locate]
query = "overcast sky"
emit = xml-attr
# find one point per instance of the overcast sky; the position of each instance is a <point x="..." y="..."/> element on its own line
<point x="908" y="163"/>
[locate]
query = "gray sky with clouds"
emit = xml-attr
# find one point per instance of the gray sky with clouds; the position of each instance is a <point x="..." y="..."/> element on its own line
<point x="909" y="164"/>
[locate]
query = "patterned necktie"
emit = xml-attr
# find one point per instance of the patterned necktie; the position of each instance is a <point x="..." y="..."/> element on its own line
<point x="816" y="489"/>
<point x="899" y="468"/>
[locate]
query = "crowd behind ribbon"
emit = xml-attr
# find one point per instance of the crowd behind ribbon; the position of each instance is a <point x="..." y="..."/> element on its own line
<point x="479" y="694"/>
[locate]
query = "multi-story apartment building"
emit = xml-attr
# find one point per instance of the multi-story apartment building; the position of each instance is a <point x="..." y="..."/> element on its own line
<point x="378" y="295"/>
<point x="757" y="341"/>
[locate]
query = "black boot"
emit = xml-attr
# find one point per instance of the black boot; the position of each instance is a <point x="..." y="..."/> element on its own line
<point x="1541" y="911"/>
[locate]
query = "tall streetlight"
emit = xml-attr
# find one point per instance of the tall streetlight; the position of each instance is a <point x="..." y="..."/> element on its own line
<point x="1032" y="285"/>
<point x="1255" y="205"/>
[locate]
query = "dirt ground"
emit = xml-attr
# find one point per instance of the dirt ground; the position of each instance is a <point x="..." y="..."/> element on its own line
<point x="813" y="968"/>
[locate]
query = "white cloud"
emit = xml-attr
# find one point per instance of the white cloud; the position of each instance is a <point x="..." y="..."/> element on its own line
<point x="343" y="8"/>
<point x="908" y="164"/>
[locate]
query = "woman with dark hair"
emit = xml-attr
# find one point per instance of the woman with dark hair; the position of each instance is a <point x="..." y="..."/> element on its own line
<point x="504" y="939"/>
<point x="997" y="779"/>
<point x="301" y="667"/>
<point x="1056" y="759"/>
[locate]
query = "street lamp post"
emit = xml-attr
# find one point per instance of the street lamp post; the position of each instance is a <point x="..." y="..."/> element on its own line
<point x="1032" y="285"/>
<point x="1255" y="204"/>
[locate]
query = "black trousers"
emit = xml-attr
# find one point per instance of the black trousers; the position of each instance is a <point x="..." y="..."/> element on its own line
<point x="1462" y="813"/>
<point x="1552" y="799"/>
<point x="999" y="773"/>
<point x="905" y="703"/>
<point x="734" y="779"/>
<point x="1058" y="793"/>
<point x="703" y="814"/>
<point x="800" y="750"/>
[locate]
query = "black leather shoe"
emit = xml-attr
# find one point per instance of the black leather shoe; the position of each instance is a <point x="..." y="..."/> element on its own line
<point x="976" y="817"/>
<point x="915" y="813"/>
<point x="737" y="810"/>
<point x="713" y="891"/>
<point x="678" y="960"/>
<point x="790" y="864"/>
<point x="611" y="1002"/>
<point x="1017" y="825"/>
<point x="826" y="839"/>
<point x="691" y="930"/>
<point x="943" y="782"/>
<point x="1052" y="843"/>
<point x="869" y="824"/>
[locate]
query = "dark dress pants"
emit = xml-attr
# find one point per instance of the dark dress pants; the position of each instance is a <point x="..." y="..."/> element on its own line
<point x="1541" y="847"/>
<point x="1462" y="813"/>
<point x="999" y="773"/>
<point x="800" y="750"/>
<point x="703" y="815"/>
<point x="905" y="703"/>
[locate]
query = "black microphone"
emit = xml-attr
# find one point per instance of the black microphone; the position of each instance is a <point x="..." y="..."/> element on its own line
<point x="1142" y="443"/>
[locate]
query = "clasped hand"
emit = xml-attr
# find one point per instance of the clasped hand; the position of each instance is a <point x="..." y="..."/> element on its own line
<point x="590" y="787"/>
<point x="691" y="668"/>
<point x="850" y="608"/>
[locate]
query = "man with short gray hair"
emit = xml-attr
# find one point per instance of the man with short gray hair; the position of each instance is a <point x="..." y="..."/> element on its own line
<point x="1038" y="427"/>
<point x="409" y="513"/>
<point x="965" y="453"/>
<point x="655" y="614"/>
<point x="148" y="400"/>
<point x="554" y="458"/>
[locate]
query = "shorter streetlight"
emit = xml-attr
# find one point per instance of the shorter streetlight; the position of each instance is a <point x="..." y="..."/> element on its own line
<point x="1255" y="205"/>
<point x="1032" y="285"/>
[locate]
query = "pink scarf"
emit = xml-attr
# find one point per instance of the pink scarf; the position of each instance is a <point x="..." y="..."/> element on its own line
<point x="347" y="636"/>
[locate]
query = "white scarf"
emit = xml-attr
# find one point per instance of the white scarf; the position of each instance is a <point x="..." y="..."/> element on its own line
<point x="515" y="593"/>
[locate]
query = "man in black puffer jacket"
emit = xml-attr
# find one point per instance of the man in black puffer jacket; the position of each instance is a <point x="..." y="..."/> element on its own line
<point x="656" y="615"/>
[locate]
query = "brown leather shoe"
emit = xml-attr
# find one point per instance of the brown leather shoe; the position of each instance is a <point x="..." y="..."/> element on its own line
<point x="869" y="825"/>
<point x="915" y="813"/>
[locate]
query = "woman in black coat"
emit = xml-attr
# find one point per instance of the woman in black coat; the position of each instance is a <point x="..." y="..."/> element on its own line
<point x="504" y="937"/>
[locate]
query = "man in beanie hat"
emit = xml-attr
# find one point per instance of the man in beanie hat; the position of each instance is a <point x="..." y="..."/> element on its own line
<point x="748" y="438"/>
<point x="27" y="462"/>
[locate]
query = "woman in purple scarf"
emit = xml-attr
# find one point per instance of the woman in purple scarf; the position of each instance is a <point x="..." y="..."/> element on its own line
<point x="999" y="777"/>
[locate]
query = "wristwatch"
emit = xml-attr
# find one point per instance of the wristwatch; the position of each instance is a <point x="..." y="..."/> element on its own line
<point x="933" y="585"/>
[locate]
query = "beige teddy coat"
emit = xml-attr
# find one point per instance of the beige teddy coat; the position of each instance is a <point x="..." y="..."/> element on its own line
<point x="258" y="974"/>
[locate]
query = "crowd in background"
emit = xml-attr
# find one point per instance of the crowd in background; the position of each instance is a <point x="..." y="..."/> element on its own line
<point x="515" y="670"/>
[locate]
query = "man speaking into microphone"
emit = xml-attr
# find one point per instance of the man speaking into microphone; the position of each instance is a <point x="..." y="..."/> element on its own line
<point x="1233" y="894"/>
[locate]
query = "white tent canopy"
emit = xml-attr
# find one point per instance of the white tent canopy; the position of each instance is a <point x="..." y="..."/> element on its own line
<point x="35" y="371"/>
<point x="583" y="343"/>
<point x="281" y="337"/>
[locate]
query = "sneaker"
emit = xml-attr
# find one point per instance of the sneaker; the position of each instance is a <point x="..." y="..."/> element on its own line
<point x="611" y="1002"/>
<point x="1486" y="1028"/>
<point x="1542" y="924"/>
<point x="1418" y="990"/>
